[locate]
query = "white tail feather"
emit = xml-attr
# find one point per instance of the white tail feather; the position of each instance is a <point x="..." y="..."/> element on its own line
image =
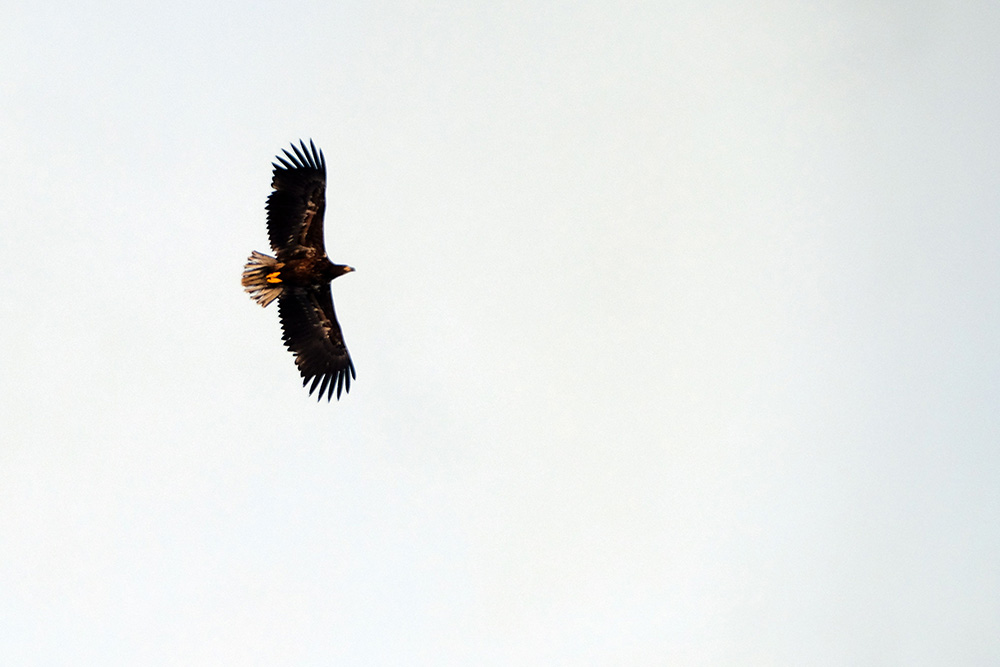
<point x="255" y="274"/>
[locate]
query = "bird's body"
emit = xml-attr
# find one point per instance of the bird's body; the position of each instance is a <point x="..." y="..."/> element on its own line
<point x="299" y="274"/>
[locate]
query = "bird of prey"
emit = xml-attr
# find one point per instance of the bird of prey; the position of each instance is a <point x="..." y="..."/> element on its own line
<point x="299" y="275"/>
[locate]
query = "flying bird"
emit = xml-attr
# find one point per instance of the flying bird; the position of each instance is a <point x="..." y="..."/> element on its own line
<point x="299" y="275"/>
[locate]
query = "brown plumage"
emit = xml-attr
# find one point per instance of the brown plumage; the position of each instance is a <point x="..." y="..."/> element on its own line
<point x="299" y="275"/>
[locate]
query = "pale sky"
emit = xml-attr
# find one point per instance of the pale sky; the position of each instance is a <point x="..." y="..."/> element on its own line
<point x="676" y="329"/>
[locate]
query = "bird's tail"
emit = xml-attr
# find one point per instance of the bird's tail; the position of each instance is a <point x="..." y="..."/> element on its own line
<point x="260" y="279"/>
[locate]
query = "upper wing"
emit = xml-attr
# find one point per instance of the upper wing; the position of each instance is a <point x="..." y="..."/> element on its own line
<point x="295" y="208"/>
<point x="312" y="333"/>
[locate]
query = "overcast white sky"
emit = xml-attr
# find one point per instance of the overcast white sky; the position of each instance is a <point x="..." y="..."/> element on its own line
<point x="676" y="327"/>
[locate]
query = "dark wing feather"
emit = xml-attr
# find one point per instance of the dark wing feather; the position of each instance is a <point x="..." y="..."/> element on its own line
<point x="295" y="207"/>
<point x="313" y="335"/>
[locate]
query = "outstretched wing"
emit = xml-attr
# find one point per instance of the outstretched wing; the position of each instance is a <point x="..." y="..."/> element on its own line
<point x="295" y="208"/>
<point x="313" y="335"/>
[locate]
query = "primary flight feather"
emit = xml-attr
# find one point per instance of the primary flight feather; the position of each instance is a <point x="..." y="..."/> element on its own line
<point x="299" y="275"/>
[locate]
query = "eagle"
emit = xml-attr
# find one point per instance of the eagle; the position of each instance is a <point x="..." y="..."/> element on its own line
<point x="299" y="275"/>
